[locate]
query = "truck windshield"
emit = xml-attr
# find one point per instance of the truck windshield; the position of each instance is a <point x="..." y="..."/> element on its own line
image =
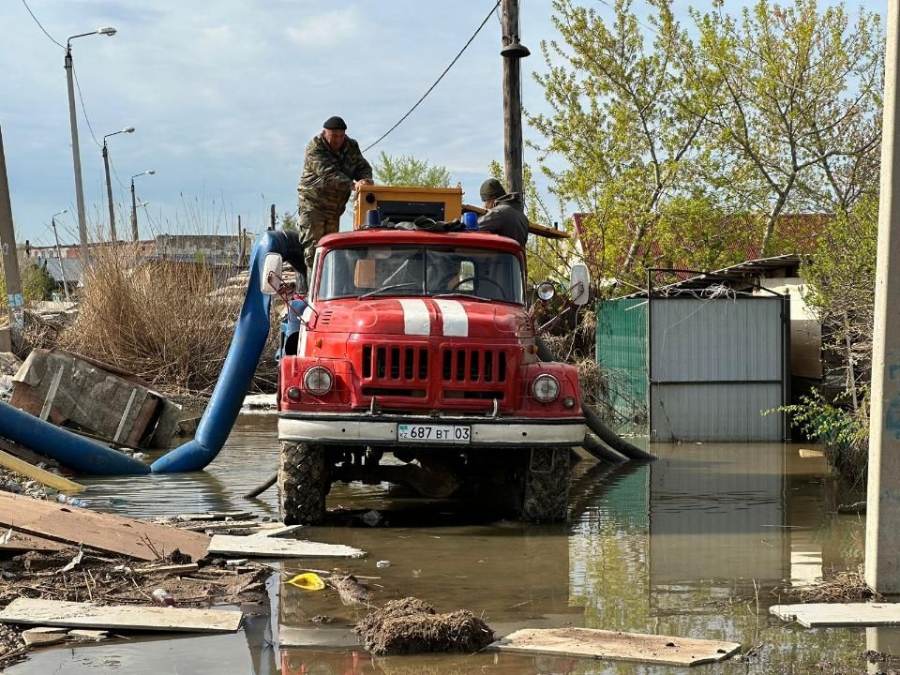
<point x="418" y="271"/>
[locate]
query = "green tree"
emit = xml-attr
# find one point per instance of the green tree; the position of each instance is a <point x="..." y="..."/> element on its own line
<point x="407" y="170"/>
<point x="289" y="222"/>
<point x="793" y="96"/>
<point x="622" y="120"/>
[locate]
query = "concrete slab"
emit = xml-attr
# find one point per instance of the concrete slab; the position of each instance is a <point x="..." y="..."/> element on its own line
<point x="815" y="615"/>
<point x="587" y="643"/>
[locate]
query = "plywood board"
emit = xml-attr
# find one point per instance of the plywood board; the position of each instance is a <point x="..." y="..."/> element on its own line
<point x="40" y="475"/>
<point x="102" y="531"/>
<point x="815" y="615"/>
<point x="586" y="643"/>
<point x="26" y="542"/>
<point x="120" y="617"/>
<point x="270" y="547"/>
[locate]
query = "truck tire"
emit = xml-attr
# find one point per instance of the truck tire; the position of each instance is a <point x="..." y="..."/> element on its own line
<point x="546" y="486"/>
<point x="303" y="483"/>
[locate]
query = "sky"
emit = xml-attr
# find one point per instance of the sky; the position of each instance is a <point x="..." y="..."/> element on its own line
<point x="226" y="95"/>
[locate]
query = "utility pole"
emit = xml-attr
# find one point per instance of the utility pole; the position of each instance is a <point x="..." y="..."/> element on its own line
<point x="62" y="270"/>
<point x="272" y="218"/>
<point x="883" y="511"/>
<point x="134" y="227"/>
<point x="10" y="259"/>
<point x="240" y="243"/>
<point x="512" y="52"/>
<point x="76" y="159"/>
<point x="109" y="198"/>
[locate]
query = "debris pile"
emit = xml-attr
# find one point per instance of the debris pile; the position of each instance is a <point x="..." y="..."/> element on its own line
<point x="411" y="626"/>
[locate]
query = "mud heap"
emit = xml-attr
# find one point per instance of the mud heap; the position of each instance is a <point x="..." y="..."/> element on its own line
<point x="411" y="626"/>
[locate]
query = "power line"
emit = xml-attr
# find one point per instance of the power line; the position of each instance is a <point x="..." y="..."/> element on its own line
<point x="83" y="109"/>
<point x="40" y="26"/>
<point x="437" y="81"/>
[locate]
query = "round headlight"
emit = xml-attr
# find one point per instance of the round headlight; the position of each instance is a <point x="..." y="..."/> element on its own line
<point x="546" y="291"/>
<point x="545" y="388"/>
<point x="318" y="380"/>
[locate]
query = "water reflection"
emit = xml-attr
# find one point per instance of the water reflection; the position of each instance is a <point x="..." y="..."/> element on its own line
<point x="697" y="544"/>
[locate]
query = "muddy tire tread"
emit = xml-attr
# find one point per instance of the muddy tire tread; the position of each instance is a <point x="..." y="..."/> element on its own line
<point x="303" y="483"/>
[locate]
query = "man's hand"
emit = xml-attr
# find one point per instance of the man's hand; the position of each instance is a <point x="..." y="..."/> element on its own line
<point x="365" y="181"/>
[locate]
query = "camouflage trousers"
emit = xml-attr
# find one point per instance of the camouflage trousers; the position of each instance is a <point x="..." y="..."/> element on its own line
<point x="313" y="225"/>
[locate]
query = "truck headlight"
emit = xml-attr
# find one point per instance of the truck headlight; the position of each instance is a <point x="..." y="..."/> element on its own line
<point x="318" y="380"/>
<point x="545" y="388"/>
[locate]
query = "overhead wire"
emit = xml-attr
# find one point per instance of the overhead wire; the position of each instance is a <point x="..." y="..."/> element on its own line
<point x="52" y="39"/>
<point x="437" y="81"/>
<point x="83" y="108"/>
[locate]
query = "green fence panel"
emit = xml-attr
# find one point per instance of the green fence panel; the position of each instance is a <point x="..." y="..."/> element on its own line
<point x="622" y="356"/>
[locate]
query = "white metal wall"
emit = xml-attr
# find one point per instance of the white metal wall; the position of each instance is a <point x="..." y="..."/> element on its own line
<point x="715" y="366"/>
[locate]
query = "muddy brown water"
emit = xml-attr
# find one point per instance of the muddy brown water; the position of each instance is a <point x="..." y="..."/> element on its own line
<point x="694" y="545"/>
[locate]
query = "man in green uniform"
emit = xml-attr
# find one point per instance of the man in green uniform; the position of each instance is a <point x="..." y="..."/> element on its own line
<point x="332" y="168"/>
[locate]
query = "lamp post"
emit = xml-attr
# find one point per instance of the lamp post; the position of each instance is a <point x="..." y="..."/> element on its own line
<point x="134" y="225"/>
<point x="76" y="152"/>
<point x="112" y="212"/>
<point x="62" y="270"/>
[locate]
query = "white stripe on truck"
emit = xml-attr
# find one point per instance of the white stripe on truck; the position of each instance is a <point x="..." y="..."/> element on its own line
<point x="456" y="321"/>
<point x="416" y="318"/>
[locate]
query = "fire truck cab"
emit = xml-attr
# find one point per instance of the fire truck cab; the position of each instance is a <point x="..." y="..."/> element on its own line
<point x="413" y="360"/>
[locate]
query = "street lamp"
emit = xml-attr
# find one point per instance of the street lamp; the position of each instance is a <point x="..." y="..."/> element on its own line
<point x="112" y="213"/>
<point x="76" y="152"/>
<point x="62" y="270"/>
<point x="134" y="227"/>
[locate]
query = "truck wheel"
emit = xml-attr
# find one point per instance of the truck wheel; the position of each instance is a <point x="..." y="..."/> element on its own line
<point x="303" y="483"/>
<point x="546" y="485"/>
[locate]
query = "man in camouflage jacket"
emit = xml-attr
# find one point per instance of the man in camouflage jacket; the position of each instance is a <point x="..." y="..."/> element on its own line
<point x="332" y="168"/>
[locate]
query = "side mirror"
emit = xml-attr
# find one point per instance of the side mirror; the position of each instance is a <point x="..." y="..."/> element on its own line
<point x="545" y="291"/>
<point x="580" y="284"/>
<point x="272" y="274"/>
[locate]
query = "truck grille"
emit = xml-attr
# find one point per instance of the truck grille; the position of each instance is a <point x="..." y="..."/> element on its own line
<point x="399" y="364"/>
<point x="486" y="366"/>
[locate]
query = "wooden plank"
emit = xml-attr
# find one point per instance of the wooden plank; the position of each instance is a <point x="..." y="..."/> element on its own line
<point x="817" y="615"/>
<point x="268" y="547"/>
<point x="102" y="531"/>
<point x="586" y="643"/>
<point x="222" y="525"/>
<point x="168" y="569"/>
<point x="40" y="475"/>
<point x="533" y="228"/>
<point x="120" y="617"/>
<point x="279" y="531"/>
<point x="27" y="542"/>
<point x="214" y="515"/>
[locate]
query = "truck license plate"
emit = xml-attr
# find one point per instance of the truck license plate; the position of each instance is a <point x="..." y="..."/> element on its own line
<point x="433" y="433"/>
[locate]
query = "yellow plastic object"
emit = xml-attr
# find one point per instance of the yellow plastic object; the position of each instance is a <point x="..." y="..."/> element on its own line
<point x="308" y="581"/>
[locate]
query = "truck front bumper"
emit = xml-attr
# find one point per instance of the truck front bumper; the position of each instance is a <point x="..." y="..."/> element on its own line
<point x="366" y="429"/>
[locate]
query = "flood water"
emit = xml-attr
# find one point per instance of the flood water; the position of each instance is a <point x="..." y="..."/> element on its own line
<point x="697" y="544"/>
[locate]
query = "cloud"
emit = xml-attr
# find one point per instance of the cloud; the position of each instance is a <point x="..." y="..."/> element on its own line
<point x="326" y="29"/>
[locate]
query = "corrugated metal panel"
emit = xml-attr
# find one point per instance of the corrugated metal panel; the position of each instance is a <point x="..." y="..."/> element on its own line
<point x="622" y="354"/>
<point x="715" y="366"/>
<point x="715" y="412"/>
<point x="697" y="340"/>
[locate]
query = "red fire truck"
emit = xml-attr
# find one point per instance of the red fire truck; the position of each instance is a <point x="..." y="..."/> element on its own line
<point x="412" y="359"/>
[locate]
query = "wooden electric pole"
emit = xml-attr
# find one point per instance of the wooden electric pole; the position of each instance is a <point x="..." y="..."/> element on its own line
<point x="883" y="503"/>
<point x="10" y="259"/>
<point x="512" y="52"/>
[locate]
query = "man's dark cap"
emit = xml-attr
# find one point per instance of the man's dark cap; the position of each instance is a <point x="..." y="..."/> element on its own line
<point x="492" y="189"/>
<point x="334" y="123"/>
